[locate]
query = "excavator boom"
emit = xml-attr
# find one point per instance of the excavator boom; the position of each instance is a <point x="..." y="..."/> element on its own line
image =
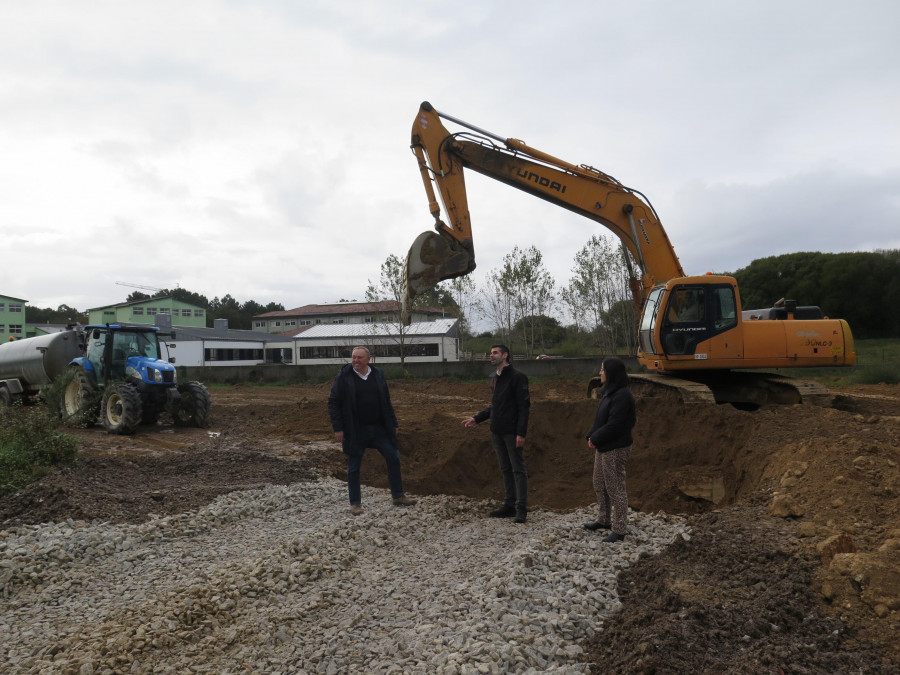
<point x="449" y="252"/>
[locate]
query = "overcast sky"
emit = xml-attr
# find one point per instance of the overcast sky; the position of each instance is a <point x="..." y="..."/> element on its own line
<point x="261" y="148"/>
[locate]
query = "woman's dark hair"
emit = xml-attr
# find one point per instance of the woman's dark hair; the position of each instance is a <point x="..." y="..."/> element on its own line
<point x="616" y="374"/>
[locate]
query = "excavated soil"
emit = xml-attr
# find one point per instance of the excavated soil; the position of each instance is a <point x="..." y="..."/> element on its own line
<point x="794" y="561"/>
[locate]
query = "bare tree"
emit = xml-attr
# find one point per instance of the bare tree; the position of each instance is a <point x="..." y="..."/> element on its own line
<point x="462" y="290"/>
<point x="390" y="287"/>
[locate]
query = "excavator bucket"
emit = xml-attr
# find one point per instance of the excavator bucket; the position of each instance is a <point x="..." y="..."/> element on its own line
<point x="432" y="258"/>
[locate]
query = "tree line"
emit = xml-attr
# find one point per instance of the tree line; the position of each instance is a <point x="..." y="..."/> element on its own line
<point x="523" y="305"/>
<point x="594" y="311"/>
<point x="239" y="314"/>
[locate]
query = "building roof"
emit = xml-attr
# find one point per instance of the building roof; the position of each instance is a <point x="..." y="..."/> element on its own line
<point x="371" y="330"/>
<point x="9" y="297"/>
<point x="341" y="308"/>
<point x="224" y="334"/>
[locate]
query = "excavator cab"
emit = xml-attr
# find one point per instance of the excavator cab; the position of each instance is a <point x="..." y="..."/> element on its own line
<point x="684" y="314"/>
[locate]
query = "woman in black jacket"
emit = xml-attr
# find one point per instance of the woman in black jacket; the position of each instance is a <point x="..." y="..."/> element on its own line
<point x="610" y="438"/>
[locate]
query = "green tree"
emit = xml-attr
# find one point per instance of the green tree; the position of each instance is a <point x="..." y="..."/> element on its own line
<point x="520" y="290"/>
<point x="63" y="314"/>
<point x="598" y="294"/>
<point x="859" y="287"/>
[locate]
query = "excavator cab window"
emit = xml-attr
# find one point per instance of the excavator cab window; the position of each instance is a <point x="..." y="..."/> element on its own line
<point x="724" y="309"/>
<point x="685" y="323"/>
<point x="694" y="314"/>
<point x="648" y="320"/>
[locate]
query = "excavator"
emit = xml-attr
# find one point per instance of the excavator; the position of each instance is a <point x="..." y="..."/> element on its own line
<point x="694" y="336"/>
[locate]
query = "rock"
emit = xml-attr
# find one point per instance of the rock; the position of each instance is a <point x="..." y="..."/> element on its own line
<point x="784" y="506"/>
<point x="838" y="543"/>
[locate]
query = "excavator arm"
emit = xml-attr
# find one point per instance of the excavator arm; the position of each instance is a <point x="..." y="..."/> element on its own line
<point x="449" y="252"/>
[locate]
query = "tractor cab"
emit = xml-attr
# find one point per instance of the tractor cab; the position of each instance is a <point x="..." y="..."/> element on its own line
<point x="132" y="353"/>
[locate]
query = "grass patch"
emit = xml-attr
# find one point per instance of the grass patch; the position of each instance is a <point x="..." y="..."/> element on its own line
<point x="31" y="443"/>
<point x="877" y="374"/>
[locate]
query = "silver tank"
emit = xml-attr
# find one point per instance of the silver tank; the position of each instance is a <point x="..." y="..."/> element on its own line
<point x="39" y="360"/>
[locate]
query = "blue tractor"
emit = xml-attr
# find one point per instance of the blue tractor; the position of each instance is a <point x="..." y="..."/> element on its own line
<point x="121" y="369"/>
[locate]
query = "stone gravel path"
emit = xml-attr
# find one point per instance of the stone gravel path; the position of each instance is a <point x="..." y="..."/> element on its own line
<point x="284" y="579"/>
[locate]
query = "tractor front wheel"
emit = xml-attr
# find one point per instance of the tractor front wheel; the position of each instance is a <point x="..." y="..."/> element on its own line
<point x="192" y="408"/>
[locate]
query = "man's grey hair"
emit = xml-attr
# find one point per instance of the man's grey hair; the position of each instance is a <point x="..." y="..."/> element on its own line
<point x="365" y="349"/>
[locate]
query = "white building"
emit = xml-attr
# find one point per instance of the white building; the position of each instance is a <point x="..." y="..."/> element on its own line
<point x="422" y="341"/>
<point x="223" y="346"/>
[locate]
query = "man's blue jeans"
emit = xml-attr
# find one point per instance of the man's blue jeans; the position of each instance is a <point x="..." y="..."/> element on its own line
<point x="512" y="466"/>
<point x="373" y="436"/>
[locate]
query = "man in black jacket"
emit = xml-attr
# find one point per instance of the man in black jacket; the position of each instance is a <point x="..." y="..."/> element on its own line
<point x="508" y="412"/>
<point x="362" y="416"/>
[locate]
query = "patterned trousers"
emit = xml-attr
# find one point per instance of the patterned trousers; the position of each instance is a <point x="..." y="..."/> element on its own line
<point x="609" y="484"/>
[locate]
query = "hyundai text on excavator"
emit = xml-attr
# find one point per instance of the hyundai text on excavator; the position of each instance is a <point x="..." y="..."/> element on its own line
<point x="694" y="335"/>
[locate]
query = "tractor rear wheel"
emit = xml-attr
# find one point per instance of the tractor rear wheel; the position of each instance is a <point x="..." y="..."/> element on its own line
<point x="121" y="409"/>
<point x="192" y="409"/>
<point x="79" y="401"/>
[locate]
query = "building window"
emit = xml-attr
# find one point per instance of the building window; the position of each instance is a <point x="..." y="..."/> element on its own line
<point x="15" y="307"/>
<point x="259" y="324"/>
<point x="151" y="311"/>
<point x="2" y="328"/>
<point x="163" y="310"/>
<point x="277" y="324"/>
<point x="233" y="355"/>
<point x="305" y="322"/>
<point x="290" y="323"/>
<point x="337" y="321"/>
<point x="198" y="312"/>
<point x="370" y="319"/>
<point x="109" y="313"/>
<point x="185" y="312"/>
<point x="15" y="329"/>
<point x="137" y="311"/>
<point x="2" y="306"/>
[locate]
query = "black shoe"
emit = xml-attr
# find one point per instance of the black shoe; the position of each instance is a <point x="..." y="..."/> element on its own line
<point x="613" y="537"/>
<point x="505" y="511"/>
<point x="597" y="525"/>
<point x="520" y="516"/>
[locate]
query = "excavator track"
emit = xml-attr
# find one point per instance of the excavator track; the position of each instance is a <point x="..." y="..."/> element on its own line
<point x="742" y="389"/>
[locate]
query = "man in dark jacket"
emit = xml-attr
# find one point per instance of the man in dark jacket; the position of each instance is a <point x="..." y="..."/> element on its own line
<point x="508" y="412"/>
<point x="362" y="416"/>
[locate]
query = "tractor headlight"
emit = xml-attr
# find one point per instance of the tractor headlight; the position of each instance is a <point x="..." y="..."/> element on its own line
<point x="157" y="376"/>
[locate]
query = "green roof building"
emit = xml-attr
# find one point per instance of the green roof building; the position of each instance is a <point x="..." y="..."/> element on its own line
<point x="151" y="311"/>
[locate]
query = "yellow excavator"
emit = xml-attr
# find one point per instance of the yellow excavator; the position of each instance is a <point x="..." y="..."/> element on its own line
<point x="694" y="335"/>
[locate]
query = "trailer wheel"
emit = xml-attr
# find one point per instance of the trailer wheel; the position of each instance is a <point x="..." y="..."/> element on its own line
<point x="79" y="400"/>
<point x="121" y="409"/>
<point x="5" y="398"/>
<point x="193" y="407"/>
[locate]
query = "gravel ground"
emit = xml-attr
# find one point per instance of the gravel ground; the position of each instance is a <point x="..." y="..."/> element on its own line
<point x="283" y="579"/>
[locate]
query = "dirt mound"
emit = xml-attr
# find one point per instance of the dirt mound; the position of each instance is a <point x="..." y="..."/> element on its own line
<point x="795" y="509"/>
